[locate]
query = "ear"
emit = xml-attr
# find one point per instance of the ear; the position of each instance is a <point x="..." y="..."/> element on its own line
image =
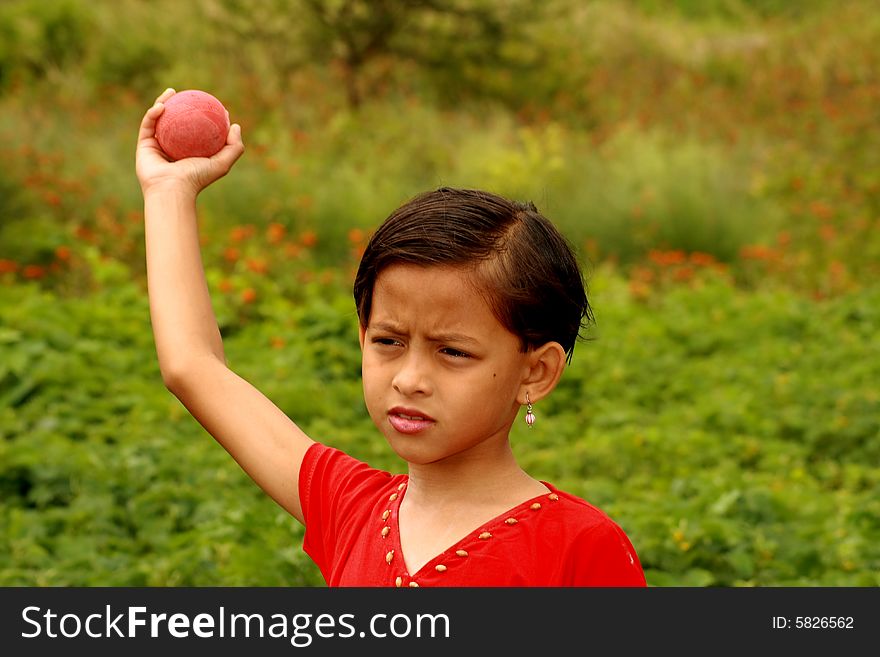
<point x="362" y="334"/>
<point x="545" y="366"/>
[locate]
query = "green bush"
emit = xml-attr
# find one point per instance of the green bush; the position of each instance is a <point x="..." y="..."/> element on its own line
<point x="716" y="426"/>
<point x="644" y="190"/>
<point x="41" y="37"/>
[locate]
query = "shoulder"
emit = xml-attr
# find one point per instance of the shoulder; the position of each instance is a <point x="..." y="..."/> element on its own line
<point x="579" y="516"/>
<point x="597" y="551"/>
<point x="340" y="495"/>
<point x="332" y="477"/>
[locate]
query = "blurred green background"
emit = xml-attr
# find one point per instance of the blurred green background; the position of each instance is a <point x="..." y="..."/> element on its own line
<point x="715" y="164"/>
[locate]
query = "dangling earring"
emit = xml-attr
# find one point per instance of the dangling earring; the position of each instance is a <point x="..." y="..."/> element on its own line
<point x="530" y="417"/>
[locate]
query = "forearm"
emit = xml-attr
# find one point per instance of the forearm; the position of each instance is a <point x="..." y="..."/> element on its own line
<point x="184" y="326"/>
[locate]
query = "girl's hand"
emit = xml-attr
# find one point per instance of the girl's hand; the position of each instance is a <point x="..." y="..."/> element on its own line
<point x="193" y="174"/>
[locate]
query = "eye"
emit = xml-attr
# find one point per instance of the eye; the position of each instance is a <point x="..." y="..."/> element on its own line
<point x="386" y="342"/>
<point x="454" y="353"/>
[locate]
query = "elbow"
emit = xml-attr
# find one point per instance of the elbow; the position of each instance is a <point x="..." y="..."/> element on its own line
<point x="178" y="376"/>
<point x="173" y="377"/>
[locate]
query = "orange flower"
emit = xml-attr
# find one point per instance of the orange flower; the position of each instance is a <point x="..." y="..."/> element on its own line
<point x="62" y="253"/>
<point x="355" y="236"/>
<point x="821" y="209"/>
<point x="257" y="265"/>
<point x="277" y="342"/>
<point x="757" y="252"/>
<point x="642" y="275"/>
<point x="33" y="180"/>
<point x="308" y="239"/>
<point x="827" y="232"/>
<point x="84" y="233"/>
<point x="248" y="295"/>
<point x="226" y="285"/>
<point x="292" y="250"/>
<point x="275" y="232"/>
<point x="676" y="257"/>
<point x="702" y="259"/>
<point x="683" y="273"/>
<point x="241" y="233"/>
<point x="667" y="258"/>
<point x="33" y="271"/>
<point x="231" y="254"/>
<point x="8" y="266"/>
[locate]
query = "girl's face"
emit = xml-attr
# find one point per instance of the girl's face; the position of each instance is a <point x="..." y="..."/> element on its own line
<point x="441" y="374"/>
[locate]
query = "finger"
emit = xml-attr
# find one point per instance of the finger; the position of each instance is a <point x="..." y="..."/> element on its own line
<point x="148" y="124"/>
<point x="233" y="149"/>
<point x="234" y="135"/>
<point x="165" y="95"/>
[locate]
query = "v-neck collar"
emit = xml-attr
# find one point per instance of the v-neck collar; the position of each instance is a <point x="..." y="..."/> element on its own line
<point x="461" y="548"/>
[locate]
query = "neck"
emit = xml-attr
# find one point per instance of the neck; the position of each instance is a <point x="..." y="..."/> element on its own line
<point x="484" y="478"/>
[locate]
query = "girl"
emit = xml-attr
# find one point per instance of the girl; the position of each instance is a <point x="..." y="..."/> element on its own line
<point x="469" y="308"/>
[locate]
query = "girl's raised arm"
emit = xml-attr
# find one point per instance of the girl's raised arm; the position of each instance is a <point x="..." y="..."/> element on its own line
<point x="255" y="432"/>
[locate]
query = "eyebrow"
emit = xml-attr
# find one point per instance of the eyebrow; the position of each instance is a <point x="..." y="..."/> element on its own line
<point x="391" y="327"/>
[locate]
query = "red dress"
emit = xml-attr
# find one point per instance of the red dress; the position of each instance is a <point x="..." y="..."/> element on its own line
<point x="554" y="539"/>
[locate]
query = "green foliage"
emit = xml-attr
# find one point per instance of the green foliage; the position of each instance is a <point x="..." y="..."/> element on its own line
<point x="642" y="190"/>
<point x="106" y="479"/>
<point x="124" y="61"/>
<point x="12" y="202"/>
<point x="41" y="37"/>
<point x="732" y="9"/>
<point x="714" y="425"/>
<point x="717" y="162"/>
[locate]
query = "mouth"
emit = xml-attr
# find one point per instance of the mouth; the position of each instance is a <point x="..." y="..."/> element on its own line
<point x="409" y="421"/>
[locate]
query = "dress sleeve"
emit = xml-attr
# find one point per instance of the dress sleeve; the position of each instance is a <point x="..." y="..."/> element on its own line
<point x="604" y="556"/>
<point x="314" y="502"/>
<point x="332" y="485"/>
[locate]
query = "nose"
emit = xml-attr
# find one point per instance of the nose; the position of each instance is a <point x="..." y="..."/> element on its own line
<point x="412" y="377"/>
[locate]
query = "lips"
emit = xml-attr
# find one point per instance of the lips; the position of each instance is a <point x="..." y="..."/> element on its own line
<point x="408" y="420"/>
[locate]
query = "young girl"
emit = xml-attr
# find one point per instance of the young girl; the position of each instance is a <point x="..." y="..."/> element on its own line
<point x="469" y="309"/>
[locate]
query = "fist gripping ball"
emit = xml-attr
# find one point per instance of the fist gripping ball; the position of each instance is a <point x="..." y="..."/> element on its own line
<point x="194" y="124"/>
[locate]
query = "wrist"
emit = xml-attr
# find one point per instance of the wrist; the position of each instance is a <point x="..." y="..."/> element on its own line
<point x="174" y="187"/>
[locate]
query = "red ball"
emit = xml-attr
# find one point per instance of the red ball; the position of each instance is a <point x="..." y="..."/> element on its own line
<point x="194" y="124"/>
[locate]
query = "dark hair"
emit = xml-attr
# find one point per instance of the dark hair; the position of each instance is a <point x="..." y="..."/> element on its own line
<point x="522" y="264"/>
